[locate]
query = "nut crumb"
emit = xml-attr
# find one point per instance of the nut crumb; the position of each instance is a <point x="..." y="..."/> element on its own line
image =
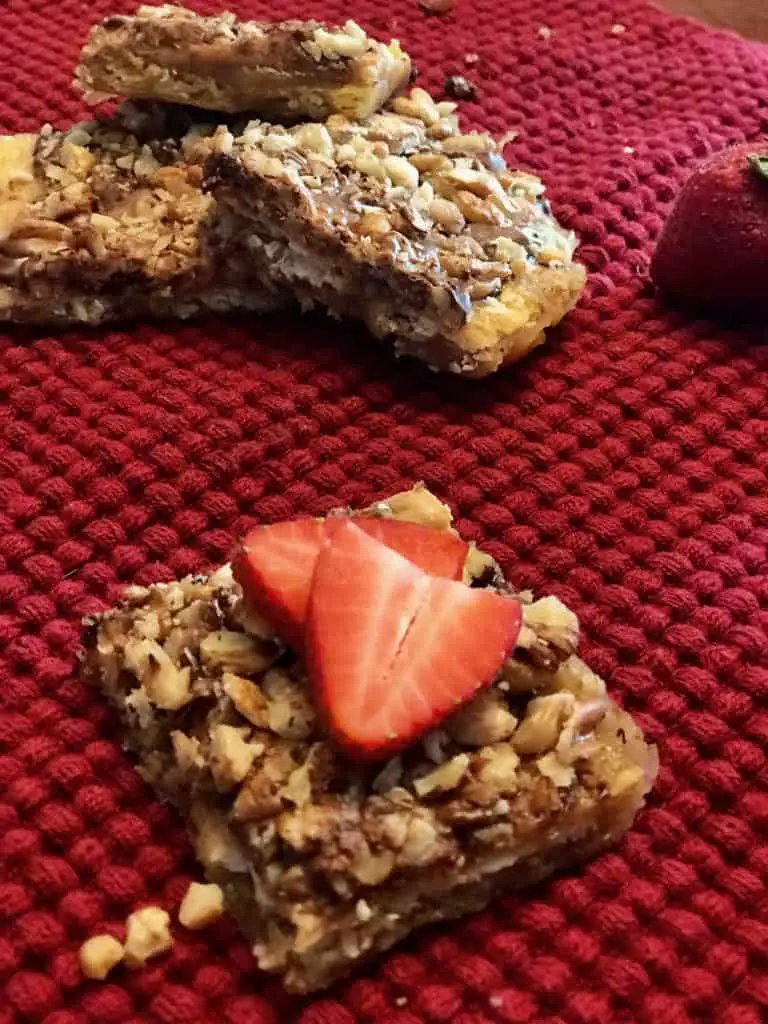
<point x="147" y="935"/>
<point x="628" y="150"/>
<point x="201" y="906"/>
<point x="459" y="88"/>
<point x="99" y="954"/>
<point x="363" y="910"/>
<point x="544" y="32"/>
<point x="618" y="29"/>
<point x="401" y="1001"/>
<point x="470" y="59"/>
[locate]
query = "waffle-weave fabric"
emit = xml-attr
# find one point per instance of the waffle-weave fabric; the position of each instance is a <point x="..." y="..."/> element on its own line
<point x="622" y="468"/>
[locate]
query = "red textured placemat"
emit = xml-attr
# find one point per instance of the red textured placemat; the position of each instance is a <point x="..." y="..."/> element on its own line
<point x="623" y="467"/>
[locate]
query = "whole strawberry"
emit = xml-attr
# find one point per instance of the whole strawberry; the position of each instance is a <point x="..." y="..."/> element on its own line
<point x="714" y="246"/>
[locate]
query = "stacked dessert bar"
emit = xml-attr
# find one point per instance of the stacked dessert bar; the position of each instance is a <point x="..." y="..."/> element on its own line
<point x="182" y="202"/>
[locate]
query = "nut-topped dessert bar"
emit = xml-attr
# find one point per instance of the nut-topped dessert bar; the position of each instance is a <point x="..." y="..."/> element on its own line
<point x="405" y="222"/>
<point x="283" y="70"/>
<point x="104" y="221"/>
<point x="326" y="858"/>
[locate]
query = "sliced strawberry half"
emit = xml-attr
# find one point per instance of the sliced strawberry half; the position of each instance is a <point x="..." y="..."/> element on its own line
<point x="437" y="552"/>
<point x="275" y="564"/>
<point x="392" y="650"/>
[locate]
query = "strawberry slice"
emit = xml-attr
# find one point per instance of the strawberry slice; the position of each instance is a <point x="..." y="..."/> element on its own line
<point x="393" y="650"/>
<point x="275" y="564"/>
<point x="437" y="552"/>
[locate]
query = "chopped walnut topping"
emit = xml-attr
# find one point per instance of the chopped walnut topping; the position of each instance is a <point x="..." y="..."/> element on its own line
<point x="247" y="698"/>
<point x="147" y="935"/>
<point x="236" y="652"/>
<point x="544" y="718"/>
<point x="553" y="768"/>
<point x="231" y="755"/>
<point x="420" y="506"/>
<point x="99" y="954"/>
<point x="187" y="751"/>
<point x="422" y="842"/>
<point x="290" y="713"/>
<point x="363" y="910"/>
<point x="201" y="906"/>
<point x="443" y="778"/>
<point x="215" y="843"/>
<point x="499" y="768"/>
<point x="555" y="623"/>
<point x="167" y="686"/>
<point x="483" y="721"/>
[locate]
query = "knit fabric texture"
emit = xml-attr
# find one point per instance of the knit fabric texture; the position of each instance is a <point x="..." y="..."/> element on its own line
<point x="622" y="467"/>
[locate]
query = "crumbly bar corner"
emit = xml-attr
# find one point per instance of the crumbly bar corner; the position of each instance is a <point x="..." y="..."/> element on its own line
<point x="105" y="221"/>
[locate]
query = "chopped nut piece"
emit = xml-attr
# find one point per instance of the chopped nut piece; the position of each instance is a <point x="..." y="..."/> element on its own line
<point x="499" y="768"/>
<point x="187" y="751"/>
<point x="422" y="842"/>
<point x="201" y="906"/>
<point x="447" y="215"/>
<point x="540" y="729"/>
<point x="290" y="713"/>
<point x="215" y="843"/>
<point x="444" y="778"/>
<point x="236" y="652"/>
<point x="550" y="618"/>
<point x="147" y="935"/>
<point x="363" y="910"/>
<point x="420" y="506"/>
<point x="483" y="721"/>
<point x="231" y="755"/>
<point x="99" y="954"/>
<point x="247" y="698"/>
<point x="459" y="88"/>
<point x="553" y="768"/>
<point x="479" y="565"/>
<point x="373" y="869"/>
<point x="167" y="686"/>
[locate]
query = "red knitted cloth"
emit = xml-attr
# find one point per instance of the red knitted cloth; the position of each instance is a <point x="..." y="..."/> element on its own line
<point x="623" y="468"/>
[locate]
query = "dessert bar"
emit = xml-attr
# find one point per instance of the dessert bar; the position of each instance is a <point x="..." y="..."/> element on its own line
<point x="405" y="222"/>
<point x="324" y="859"/>
<point x="282" y="70"/>
<point x="105" y="221"/>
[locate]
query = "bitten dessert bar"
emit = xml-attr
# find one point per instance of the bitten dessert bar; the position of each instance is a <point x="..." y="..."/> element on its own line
<point x="289" y="69"/>
<point x="325" y="860"/>
<point x="407" y="223"/>
<point x="104" y="222"/>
